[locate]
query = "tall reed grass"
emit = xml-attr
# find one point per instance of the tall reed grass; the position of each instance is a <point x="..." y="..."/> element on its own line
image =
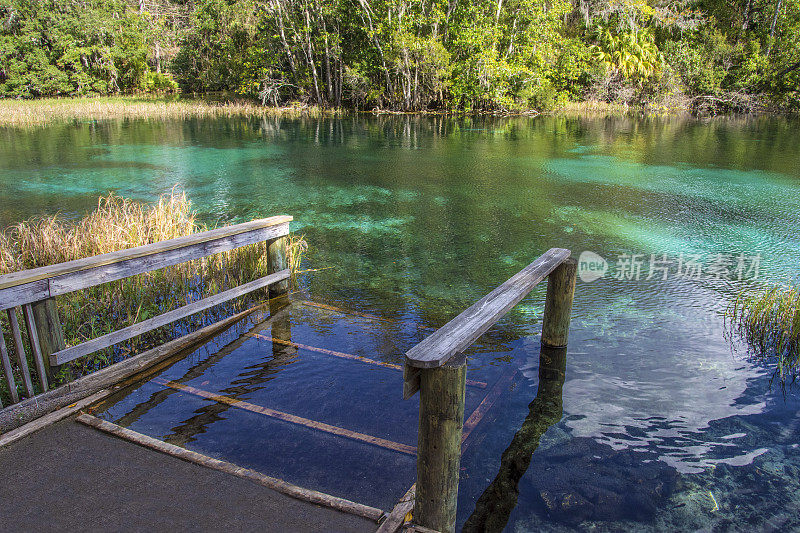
<point x="120" y="223"/>
<point x="768" y="320"/>
<point x="28" y="113"/>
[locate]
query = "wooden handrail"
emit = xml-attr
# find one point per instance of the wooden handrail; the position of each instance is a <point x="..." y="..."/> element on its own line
<point x="38" y="286"/>
<point x="437" y="368"/>
<point x="458" y="334"/>
<point x="27" y="286"/>
<point x="115" y="337"/>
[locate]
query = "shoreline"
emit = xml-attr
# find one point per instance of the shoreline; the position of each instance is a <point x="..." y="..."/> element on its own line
<point x="47" y="111"/>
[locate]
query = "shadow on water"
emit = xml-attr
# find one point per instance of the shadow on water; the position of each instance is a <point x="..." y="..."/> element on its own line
<point x="494" y="506"/>
<point x="251" y="380"/>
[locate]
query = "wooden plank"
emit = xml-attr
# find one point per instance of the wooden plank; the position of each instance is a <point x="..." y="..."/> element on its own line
<point x="7" y="370"/>
<point x="123" y="373"/>
<point x="294" y="419"/>
<point x="33" y="335"/>
<point x="458" y="334"/>
<point x="502" y="385"/>
<point x="51" y="418"/>
<point x="414" y="528"/>
<point x="34" y="274"/>
<point x="325" y="351"/>
<point x="23" y="294"/>
<point x="148" y="263"/>
<point x="113" y="266"/>
<point x="22" y="360"/>
<point x="214" y="354"/>
<point x="397" y="516"/>
<point x="319" y="498"/>
<point x="327" y="307"/>
<point x="150" y="324"/>
<point x="343" y="355"/>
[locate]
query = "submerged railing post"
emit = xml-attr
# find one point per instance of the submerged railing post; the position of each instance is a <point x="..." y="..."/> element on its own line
<point x="277" y="261"/>
<point x="437" y="368"/>
<point x="50" y="333"/>
<point x="558" y="304"/>
<point x="441" y="419"/>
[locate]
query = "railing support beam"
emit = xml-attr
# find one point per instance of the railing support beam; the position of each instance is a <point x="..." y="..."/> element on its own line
<point x="22" y="359"/>
<point x="277" y="261"/>
<point x="51" y="333"/>
<point x="558" y="304"/>
<point x="441" y="420"/>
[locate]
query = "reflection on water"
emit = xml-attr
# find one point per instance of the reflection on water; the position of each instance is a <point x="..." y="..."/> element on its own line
<point x="494" y="506"/>
<point x="415" y="218"/>
<point x="251" y="379"/>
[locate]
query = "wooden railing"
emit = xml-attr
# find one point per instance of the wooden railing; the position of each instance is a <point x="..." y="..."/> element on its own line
<point x="437" y="368"/>
<point x="35" y="291"/>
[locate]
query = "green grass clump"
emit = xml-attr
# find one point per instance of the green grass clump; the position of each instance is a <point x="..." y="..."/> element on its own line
<point x="769" y="321"/>
<point x="117" y="224"/>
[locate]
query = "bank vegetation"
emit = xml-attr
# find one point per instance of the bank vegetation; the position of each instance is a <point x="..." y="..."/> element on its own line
<point x="708" y="56"/>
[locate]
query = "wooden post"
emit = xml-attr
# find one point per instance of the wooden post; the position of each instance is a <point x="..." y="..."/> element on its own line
<point x="558" y="305"/>
<point x="33" y="337"/>
<point x="277" y="261"/>
<point x="51" y="333"/>
<point x="22" y="359"/>
<point x="282" y="330"/>
<point x="441" y="419"/>
<point x="9" y="373"/>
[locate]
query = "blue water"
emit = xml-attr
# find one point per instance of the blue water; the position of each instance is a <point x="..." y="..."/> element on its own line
<point x="665" y="423"/>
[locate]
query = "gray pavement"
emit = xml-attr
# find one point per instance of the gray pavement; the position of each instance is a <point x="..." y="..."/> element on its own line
<point x="69" y="477"/>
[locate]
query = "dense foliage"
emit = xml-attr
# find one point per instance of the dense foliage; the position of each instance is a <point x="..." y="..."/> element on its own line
<point x="493" y="55"/>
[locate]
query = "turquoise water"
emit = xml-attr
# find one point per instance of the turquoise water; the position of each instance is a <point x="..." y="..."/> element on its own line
<point x="665" y="423"/>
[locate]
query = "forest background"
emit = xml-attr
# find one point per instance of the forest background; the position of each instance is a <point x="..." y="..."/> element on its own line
<point x="708" y="56"/>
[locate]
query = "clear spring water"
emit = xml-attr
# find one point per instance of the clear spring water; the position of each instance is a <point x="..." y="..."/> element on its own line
<point x="665" y="423"/>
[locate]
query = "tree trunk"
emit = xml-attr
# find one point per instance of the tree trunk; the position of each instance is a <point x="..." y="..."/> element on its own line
<point x="283" y="38"/>
<point x="328" y="81"/>
<point x="772" y="25"/>
<point x="312" y="65"/>
<point x="746" y="17"/>
<point x="339" y="86"/>
<point x="368" y="13"/>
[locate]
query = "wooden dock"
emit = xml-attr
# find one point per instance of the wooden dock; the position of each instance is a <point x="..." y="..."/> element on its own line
<point x="436" y="367"/>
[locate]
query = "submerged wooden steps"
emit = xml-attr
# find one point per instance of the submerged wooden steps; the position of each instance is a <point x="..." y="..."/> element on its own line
<point x="394" y="519"/>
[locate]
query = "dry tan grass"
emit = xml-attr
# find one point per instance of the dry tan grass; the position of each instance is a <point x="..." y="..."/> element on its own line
<point x="597" y="108"/>
<point x="117" y="224"/>
<point x="26" y="113"/>
<point x="594" y="107"/>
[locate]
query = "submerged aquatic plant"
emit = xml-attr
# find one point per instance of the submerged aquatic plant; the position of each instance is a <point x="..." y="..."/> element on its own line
<point x="769" y="322"/>
<point x="117" y="224"/>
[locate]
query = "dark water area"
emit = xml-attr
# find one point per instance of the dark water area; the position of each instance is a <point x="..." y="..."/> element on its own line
<point x="658" y="422"/>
